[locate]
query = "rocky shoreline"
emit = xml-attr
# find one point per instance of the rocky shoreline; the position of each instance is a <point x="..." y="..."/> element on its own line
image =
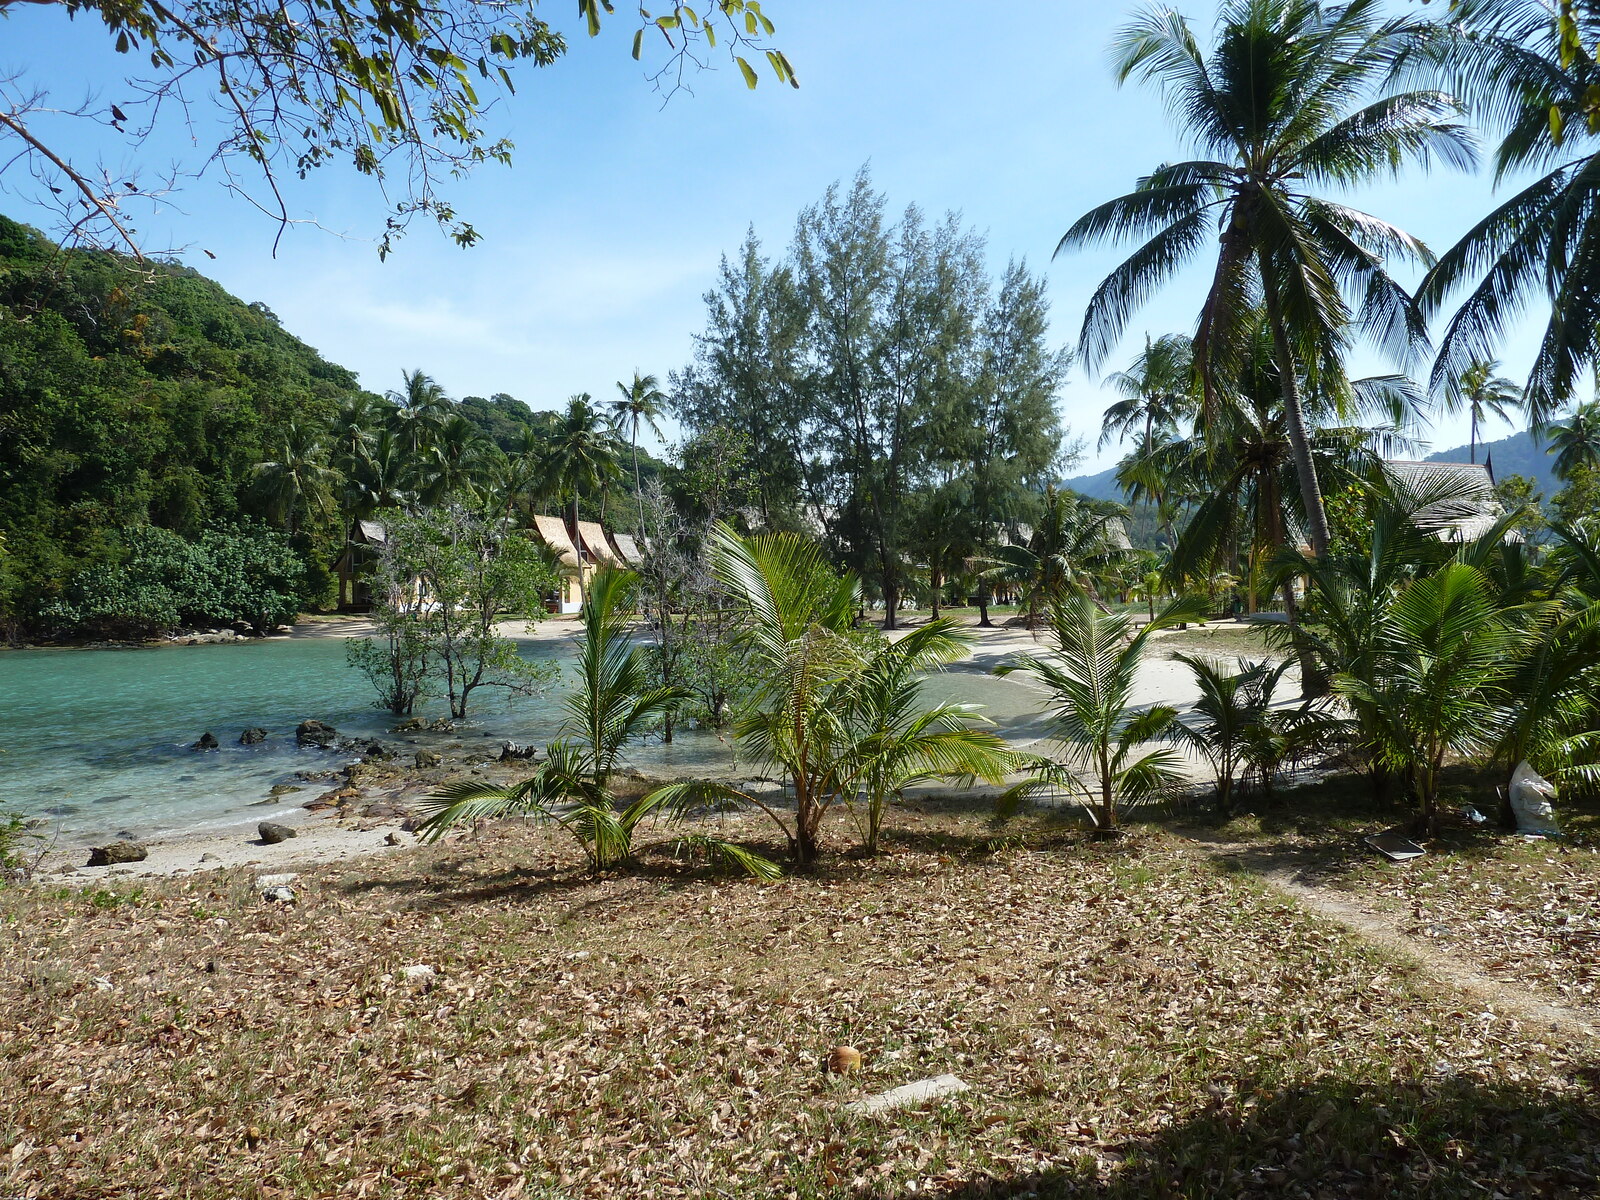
<point x="364" y="804"/>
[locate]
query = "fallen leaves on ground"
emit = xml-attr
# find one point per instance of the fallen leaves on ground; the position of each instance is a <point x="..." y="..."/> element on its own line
<point x="1131" y="1021"/>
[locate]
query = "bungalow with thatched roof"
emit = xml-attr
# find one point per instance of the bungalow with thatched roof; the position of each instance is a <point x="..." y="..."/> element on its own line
<point x="1467" y="506"/>
<point x="594" y="547"/>
<point x="627" y="547"/>
<point x="575" y="571"/>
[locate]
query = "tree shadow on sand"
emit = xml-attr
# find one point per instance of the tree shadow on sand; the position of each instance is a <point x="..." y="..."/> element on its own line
<point x="1443" y="1137"/>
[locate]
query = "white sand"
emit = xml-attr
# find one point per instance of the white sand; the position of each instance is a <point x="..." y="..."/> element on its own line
<point x="320" y="839"/>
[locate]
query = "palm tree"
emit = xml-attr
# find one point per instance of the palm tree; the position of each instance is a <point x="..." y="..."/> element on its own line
<point x="1157" y="392"/>
<point x="1291" y="99"/>
<point x="299" y="479"/>
<point x="1576" y="440"/>
<point x="420" y="408"/>
<point x="1075" y="541"/>
<point x="1445" y="653"/>
<point x="1529" y="70"/>
<point x="840" y="718"/>
<point x="1483" y="394"/>
<point x="896" y="739"/>
<point x="1089" y="675"/>
<point x="1228" y="712"/>
<point x="458" y="461"/>
<point x="641" y="404"/>
<point x="580" y="458"/>
<point x="612" y="705"/>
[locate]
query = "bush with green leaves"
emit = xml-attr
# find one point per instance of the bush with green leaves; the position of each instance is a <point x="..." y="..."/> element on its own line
<point x="165" y="582"/>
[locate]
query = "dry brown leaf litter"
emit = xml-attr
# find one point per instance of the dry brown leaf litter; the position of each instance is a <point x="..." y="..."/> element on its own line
<point x="1131" y="1022"/>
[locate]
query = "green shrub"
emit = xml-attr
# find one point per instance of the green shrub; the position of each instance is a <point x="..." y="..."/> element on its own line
<point x="167" y="582"/>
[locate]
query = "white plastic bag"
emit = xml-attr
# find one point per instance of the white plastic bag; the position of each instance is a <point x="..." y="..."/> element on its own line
<point x="1531" y="794"/>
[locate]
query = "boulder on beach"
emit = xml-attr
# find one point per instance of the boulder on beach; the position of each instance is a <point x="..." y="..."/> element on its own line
<point x="272" y="833"/>
<point x="315" y="733"/>
<point x="410" y="725"/>
<point x="208" y="741"/>
<point x="117" y="852"/>
<point x="428" y="758"/>
<point x="253" y="736"/>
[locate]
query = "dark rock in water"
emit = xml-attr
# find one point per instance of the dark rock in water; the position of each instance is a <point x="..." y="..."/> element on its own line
<point x="283" y="789"/>
<point x="511" y="750"/>
<point x="208" y="741"/>
<point x="62" y="810"/>
<point x="112" y="799"/>
<point x="376" y="749"/>
<point x="253" y="736"/>
<point x="185" y="778"/>
<point x="272" y="833"/>
<point x="315" y="733"/>
<point x="242" y="627"/>
<point x="117" y="852"/>
<point x="428" y="758"/>
<point x="410" y="725"/>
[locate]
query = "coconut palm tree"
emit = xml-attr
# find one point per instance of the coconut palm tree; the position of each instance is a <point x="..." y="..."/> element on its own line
<point x="580" y="458"/>
<point x="1089" y="675"/>
<point x="420" y="408"/>
<point x="458" y="461"/>
<point x="1483" y="394"/>
<point x="1445" y="654"/>
<point x="1157" y="390"/>
<point x="840" y="717"/>
<point x="897" y="739"/>
<point x="1528" y="69"/>
<point x="1291" y="100"/>
<point x="1576" y="440"/>
<point x="641" y="404"/>
<point x="613" y="704"/>
<point x="1075" y="541"/>
<point x="1225" y="717"/>
<point x="298" y="481"/>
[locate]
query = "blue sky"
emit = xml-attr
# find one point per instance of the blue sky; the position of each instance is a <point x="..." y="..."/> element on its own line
<point x="601" y="239"/>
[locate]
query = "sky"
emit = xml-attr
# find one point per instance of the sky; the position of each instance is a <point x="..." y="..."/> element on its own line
<point x="600" y="240"/>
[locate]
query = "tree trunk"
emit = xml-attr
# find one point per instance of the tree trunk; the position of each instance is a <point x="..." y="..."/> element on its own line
<point x="937" y="581"/>
<point x="1294" y="419"/>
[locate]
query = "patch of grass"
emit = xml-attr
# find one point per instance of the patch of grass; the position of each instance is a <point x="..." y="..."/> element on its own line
<point x="1217" y="637"/>
<point x="1132" y="1022"/>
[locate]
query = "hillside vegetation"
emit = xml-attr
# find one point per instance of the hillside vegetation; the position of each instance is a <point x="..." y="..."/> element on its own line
<point x="133" y="395"/>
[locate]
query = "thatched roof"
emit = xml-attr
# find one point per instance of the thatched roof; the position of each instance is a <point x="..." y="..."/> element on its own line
<point x="628" y="548"/>
<point x="595" y="544"/>
<point x="553" y="532"/>
<point x="371" y="533"/>
<point x="1468" y="508"/>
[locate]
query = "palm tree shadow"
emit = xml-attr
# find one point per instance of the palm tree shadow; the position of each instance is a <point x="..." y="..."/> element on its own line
<point x="1445" y="1136"/>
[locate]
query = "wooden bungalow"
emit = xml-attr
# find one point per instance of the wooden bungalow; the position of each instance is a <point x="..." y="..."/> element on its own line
<point x="575" y="571"/>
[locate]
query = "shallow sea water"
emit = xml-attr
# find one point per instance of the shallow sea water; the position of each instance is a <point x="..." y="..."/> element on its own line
<point x="96" y="742"/>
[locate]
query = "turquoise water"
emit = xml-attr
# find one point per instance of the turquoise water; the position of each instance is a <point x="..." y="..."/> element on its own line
<point x="96" y="741"/>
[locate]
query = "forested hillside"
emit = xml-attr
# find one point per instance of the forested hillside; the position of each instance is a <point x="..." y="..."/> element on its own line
<point x="133" y="394"/>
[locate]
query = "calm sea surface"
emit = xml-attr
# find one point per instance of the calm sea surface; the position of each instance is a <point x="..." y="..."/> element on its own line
<point x="97" y="741"/>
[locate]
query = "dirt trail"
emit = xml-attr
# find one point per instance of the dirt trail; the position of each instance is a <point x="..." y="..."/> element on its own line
<point x="1526" y="1005"/>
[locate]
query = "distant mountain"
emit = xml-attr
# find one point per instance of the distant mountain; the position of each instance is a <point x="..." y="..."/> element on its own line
<point x="1097" y="487"/>
<point x="1518" y="454"/>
